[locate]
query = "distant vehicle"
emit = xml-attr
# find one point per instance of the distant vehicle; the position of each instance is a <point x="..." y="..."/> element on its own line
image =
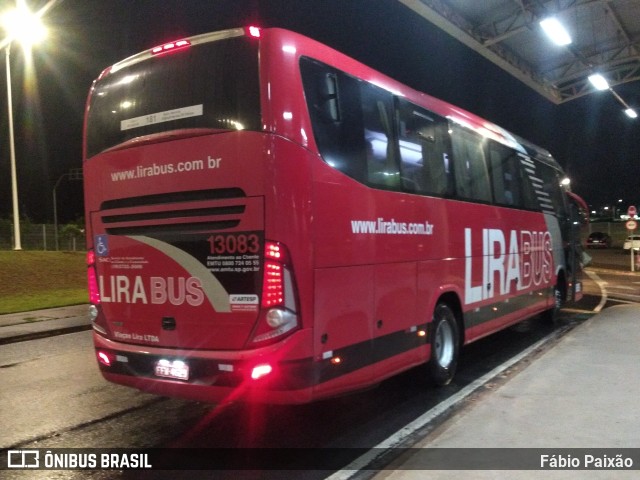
<point x="632" y="241"/>
<point x="598" y="240"/>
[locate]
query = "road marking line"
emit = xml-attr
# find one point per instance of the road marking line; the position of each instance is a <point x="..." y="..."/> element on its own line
<point x="576" y="310"/>
<point x="619" y="300"/>
<point x="603" y="299"/>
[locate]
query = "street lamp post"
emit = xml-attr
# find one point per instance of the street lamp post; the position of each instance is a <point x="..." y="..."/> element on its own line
<point x="14" y="177"/>
<point x="20" y="24"/>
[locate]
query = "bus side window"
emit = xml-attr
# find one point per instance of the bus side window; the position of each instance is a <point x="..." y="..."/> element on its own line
<point x="424" y="150"/>
<point x="534" y="196"/>
<point x="470" y="168"/>
<point x="529" y="198"/>
<point x="510" y="187"/>
<point x="381" y="150"/>
<point x="334" y="105"/>
<point x="551" y="185"/>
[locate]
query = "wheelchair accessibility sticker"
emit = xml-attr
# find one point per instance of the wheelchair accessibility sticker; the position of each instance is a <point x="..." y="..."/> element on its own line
<point x="102" y="245"/>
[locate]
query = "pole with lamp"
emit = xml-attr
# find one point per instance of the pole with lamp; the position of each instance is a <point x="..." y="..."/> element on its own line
<point x="22" y="25"/>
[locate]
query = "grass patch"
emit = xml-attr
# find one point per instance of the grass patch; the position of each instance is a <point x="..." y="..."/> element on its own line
<point x="31" y="280"/>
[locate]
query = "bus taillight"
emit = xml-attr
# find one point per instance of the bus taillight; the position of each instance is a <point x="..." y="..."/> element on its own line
<point x="279" y="312"/>
<point x="92" y="281"/>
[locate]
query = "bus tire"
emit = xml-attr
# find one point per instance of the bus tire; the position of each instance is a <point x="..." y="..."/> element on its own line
<point x="551" y="316"/>
<point x="445" y="345"/>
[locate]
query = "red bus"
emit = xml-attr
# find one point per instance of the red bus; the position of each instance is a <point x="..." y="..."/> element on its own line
<point x="270" y="220"/>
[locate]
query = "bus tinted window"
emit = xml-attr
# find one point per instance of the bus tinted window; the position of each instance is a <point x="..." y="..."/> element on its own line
<point x="424" y="151"/>
<point x="353" y="124"/>
<point x="390" y="143"/>
<point x="377" y="114"/>
<point x="334" y="102"/>
<point x="470" y="167"/>
<point x="209" y="86"/>
<point x="510" y="185"/>
<point x="551" y="186"/>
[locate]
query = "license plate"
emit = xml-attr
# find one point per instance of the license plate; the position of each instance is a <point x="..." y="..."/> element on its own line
<point x="176" y="369"/>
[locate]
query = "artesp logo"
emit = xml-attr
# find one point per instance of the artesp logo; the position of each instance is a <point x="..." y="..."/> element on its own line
<point x="23" y="459"/>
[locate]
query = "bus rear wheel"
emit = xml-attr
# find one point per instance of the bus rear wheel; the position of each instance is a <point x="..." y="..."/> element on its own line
<point x="445" y="345"/>
<point x="552" y="315"/>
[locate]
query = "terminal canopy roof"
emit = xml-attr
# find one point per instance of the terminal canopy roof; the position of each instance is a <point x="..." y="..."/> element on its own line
<point x="605" y="39"/>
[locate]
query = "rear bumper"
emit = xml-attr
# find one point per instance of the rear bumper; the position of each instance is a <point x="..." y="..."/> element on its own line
<point x="216" y="376"/>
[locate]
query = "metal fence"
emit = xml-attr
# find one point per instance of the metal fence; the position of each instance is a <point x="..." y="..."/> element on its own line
<point x="42" y="237"/>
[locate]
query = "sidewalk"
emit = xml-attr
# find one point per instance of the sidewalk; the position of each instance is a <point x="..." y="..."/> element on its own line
<point x="582" y="393"/>
<point x="43" y="323"/>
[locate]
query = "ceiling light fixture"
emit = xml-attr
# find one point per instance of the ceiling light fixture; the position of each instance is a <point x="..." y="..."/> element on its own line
<point x="555" y="31"/>
<point x="599" y="82"/>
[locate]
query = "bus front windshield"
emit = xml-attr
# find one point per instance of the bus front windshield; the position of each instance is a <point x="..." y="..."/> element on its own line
<point x="205" y="87"/>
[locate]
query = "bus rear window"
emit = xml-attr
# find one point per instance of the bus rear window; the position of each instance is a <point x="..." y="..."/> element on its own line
<point x="211" y="86"/>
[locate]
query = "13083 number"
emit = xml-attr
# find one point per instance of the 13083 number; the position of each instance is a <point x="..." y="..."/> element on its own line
<point x="233" y="244"/>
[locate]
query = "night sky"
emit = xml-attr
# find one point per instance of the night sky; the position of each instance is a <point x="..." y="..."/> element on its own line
<point x="592" y="139"/>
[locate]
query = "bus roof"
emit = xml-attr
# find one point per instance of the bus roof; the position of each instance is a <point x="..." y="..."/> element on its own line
<point x="306" y="46"/>
<point x="311" y="48"/>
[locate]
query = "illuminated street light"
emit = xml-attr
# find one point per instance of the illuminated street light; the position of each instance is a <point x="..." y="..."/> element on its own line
<point x="25" y="27"/>
<point x="631" y="113"/>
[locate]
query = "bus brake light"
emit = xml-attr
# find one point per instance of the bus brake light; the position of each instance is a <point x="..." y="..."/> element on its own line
<point x="276" y="259"/>
<point x="279" y="313"/>
<point x="171" y="46"/>
<point x="92" y="281"/>
<point x="273" y="286"/>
